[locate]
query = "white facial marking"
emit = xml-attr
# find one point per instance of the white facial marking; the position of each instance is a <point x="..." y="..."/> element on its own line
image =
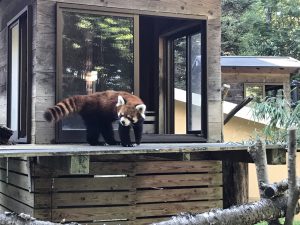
<point x="121" y="101"/>
<point x="124" y="121"/>
<point x="142" y="109"/>
<point x="134" y="119"/>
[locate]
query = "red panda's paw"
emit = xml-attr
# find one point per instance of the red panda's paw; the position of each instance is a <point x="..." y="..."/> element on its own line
<point x="112" y="143"/>
<point x="129" y="145"/>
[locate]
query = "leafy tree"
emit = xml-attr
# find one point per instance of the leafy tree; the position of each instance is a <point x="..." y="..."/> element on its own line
<point x="280" y="115"/>
<point x="261" y="27"/>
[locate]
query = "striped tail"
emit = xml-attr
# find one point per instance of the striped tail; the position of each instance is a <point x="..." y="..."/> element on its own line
<point x="62" y="109"/>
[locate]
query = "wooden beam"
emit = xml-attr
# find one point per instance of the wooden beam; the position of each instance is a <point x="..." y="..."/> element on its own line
<point x="211" y="151"/>
<point x="237" y="108"/>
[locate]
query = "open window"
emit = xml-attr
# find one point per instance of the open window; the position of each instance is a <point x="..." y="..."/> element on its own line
<point x="261" y="91"/>
<point x="185" y="71"/>
<point x="100" y="49"/>
<point x="19" y="76"/>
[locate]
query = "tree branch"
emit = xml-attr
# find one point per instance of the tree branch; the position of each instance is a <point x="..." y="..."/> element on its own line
<point x="259" y="156"/>
<point x="247" y="214"/>
<point x="293" y="196"/>
<point x="8" y="218"/>
<point x="275" y="189"/>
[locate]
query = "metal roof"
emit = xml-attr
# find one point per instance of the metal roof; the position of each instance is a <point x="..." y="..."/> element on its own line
<point x="260" y="61"/>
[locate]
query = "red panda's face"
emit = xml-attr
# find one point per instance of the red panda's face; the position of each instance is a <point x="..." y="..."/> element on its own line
<point x="128" y="113"/>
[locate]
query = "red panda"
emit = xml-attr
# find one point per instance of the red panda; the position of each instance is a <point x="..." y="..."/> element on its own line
<point x="99" y="110"/>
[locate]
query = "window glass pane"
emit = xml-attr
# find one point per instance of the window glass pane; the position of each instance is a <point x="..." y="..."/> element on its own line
<point x="179" y="57"/>
<point x="97" y="55"/>
<point x="195" y="84"/>
<point x="254" y="90"/>
<point x="14" y="70"/>
<point x="273" y="90"/>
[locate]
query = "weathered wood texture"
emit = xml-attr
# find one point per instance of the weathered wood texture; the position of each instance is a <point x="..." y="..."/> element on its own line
<point x="8" y="10"/>
<point x="45" y="53"/>
<point x="14" y="184"/>
<point x="237" y="81"/>
<point x="3" y="76"/>
<point x="132" y="191"/>
<point x="235" y="183"/>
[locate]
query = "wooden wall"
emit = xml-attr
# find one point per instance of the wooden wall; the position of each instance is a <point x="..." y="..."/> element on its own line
<point x="44" y="53"/>
<point x="44" y="67"/>
<point x="8" y="9"/>
<point x="236" y="81"/>
<point x="132" y="189"/>
<point x="14" y="186"/>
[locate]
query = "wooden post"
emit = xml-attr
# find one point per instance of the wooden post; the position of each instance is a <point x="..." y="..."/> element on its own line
<point x="235" y="183"/>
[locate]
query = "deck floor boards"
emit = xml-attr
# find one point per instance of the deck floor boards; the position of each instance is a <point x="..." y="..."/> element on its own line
<point x="33" y="150"/>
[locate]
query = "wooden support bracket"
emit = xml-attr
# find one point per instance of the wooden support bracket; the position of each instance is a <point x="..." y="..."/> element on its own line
<point x="7" y="164"/>
<point x="80" y="164"/>
<point x="186" y="156"/>
<point x="28" y="165"/>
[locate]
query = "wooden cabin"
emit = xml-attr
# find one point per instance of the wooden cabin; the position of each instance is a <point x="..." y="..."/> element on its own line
<point x="51" y="49"/>
<point x="259" y="76"/>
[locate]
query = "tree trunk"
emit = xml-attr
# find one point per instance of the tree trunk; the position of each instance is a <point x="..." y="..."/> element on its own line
<point x="293" y="196"/>
<point x="247" y="214"/>
<point x="23" y="219"/>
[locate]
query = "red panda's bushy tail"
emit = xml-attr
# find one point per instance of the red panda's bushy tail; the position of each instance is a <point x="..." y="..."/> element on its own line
<point x="62" y="109"/>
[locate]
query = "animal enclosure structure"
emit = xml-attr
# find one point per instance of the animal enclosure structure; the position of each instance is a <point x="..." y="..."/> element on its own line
<point x="113" y="185"/>
<point x="52" y="49"/>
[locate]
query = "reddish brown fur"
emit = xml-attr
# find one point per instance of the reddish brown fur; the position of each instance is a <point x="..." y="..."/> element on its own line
<point x="99" y="110"/>
<point x="103" y="102"/>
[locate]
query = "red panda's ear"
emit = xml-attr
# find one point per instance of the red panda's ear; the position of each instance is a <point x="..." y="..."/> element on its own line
<point x="121" y="101"/>
<point x="141" y="108"/>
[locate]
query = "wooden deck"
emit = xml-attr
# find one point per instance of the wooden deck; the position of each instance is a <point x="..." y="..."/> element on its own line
<point x="99" y="185"/>
<point x="30" y="150"/>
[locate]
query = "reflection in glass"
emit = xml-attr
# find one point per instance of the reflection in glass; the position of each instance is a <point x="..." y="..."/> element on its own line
<point x="274" y="90"/>
<point x="194" y="121"/>
<point x="179" y="60"/>
<point x="14" y="68"/>
<point x="97" y="55"/>
<point x="254" y="90"/>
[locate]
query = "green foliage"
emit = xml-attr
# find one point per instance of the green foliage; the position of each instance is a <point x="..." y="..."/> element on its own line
<point x="261" y="27"/>
<point x="280" y="116"/>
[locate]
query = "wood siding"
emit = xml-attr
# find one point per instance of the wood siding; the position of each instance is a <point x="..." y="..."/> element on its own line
<point x="14" y="186"/>
<point x="45" y="53"/>
<point x="135" y="191"/>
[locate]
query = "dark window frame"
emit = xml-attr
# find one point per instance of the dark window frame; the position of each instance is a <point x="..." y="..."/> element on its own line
<point x="201" y="135"/>
<point x="67" y="136"/>
<point x="24" y="20"/>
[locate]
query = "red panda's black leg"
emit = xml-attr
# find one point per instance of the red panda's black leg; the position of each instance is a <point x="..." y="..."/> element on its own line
<point x="108" y="133"/>
<point x="92" y="131"/>
<point x="124" y="133"/>
<point x="138" y="130"/>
